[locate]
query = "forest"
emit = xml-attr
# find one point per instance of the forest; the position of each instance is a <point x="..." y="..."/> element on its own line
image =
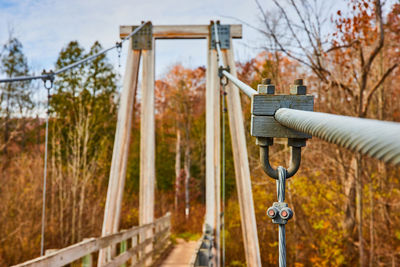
<point x="346" y="206"/>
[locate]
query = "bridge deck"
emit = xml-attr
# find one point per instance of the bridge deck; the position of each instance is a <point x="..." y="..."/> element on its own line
<point x="181" y="254"/>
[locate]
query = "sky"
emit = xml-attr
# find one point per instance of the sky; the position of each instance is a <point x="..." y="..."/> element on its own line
<point x="45" y="26"/>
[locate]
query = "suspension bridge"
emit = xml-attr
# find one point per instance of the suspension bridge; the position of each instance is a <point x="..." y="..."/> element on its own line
<point x="273" y="116"/>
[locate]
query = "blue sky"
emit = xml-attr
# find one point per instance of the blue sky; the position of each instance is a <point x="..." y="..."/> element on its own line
<point x="45" y="26"/>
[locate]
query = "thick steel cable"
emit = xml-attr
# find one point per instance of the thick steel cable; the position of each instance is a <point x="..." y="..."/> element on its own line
<point x="280" y="188"/>
<point x="73" y="65"/>
<point x="377" y="139"/>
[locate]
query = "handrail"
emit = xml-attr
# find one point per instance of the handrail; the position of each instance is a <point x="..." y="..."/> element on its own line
<point x="77" y="251"/>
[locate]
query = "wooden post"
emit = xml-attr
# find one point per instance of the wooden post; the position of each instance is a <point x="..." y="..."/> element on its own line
<point x="213" y="144"/>
<point x="242" y="171"/>
<point x="147" y="143"/>
<point x="87" y="261"/>
<point x="122" y="248"/>
<point x="121" y="149"/>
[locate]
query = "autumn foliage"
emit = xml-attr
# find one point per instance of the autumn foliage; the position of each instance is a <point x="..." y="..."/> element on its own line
<point x="342" y="217"/>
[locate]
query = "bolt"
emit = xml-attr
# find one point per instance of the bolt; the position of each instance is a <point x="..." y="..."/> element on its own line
<point x="298" y="82"/>
<point x="272" y="212"/>
<point x="266" y="81"/>
<point x="266" y="87"/>
<point x="298" y="88"/>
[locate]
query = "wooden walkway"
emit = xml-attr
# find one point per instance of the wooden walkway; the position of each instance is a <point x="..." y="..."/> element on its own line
<point x="181" y="254"/>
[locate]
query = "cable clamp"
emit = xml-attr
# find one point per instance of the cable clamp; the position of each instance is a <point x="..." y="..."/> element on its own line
<point x="48" y="76"/>
<point x="223" y="80"/>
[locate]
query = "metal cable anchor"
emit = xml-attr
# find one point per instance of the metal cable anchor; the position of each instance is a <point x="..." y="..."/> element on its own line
<point x="295" y="143"/>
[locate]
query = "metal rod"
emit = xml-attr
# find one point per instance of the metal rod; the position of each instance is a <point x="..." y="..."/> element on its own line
<point x="241" y="85"/>
<point x="223" y="172"/>
<point x="45" y="177"/>
<point x="377" y="139"/>
<point x="218" y="46"/>
<point x="274" y="173"/>
<point x="23" y="78"/>
<point x="47" y="76"/>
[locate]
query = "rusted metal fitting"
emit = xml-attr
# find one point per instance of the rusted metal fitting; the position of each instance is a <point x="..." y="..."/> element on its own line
<point x="266" y="87"/>
<point x="298" y="88"/>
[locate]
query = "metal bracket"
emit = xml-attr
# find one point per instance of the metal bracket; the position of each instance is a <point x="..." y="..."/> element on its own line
<point x="263" y="108"/>
<point x="224" y="34"/>
<point x="265" y="127"/>
<point x="280" y="213"/>
<point x="143" y="40"/>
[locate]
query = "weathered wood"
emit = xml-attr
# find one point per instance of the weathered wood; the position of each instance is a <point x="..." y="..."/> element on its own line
<point x="242" y="171"/>
<point x="182" y="31"/>
<point x="77" y="251"/>
<point x="213" y="148"/>
<point x="266" y="105"/>
<point x="121" y="149"/>
<point x="147" y="143"/>
<point x="147" y="140"/>
<point x="267" y="126"/>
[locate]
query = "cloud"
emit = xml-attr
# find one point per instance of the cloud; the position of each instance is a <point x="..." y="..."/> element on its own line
<point x="46" y="26"/>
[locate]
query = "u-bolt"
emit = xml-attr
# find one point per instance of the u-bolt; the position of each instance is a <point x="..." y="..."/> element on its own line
<point x="273" y="173"/>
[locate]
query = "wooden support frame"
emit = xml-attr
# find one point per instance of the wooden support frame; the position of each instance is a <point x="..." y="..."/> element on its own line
<point x="213" y="149"/>
<point x="242" y="171"/>
<point x="147" y="144"/>
<point x="182" y="31"/>
<point x="121" y="150"/>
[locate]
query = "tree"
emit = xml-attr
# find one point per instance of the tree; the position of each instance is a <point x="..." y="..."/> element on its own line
<point x="15" y="98"/>
<point x="83" y="107"/>
<point x="342" y="62"/>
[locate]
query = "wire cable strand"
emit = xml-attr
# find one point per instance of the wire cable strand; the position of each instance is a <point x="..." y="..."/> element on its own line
<point x="50" y="76"/>
<point x="45" y="175"/>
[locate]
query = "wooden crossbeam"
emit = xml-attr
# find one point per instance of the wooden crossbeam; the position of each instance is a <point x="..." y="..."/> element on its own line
<point x="181" y="31"/>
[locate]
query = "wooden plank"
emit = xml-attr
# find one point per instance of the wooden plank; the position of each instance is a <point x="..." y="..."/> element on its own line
<point x="242" y="171"/>
<point x="182" y="31"/>
<point x="267" y="126"/>
<point x="72" y="253"/>
<point x="213" y="148"/>
<point x="263" y="104"/>
<point x="121" y="148"/>
<point x="147" y="140"/>
<point x="147" y="143"/>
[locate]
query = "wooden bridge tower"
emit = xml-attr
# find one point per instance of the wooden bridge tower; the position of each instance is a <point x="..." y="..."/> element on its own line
<point x="143" y="45"/>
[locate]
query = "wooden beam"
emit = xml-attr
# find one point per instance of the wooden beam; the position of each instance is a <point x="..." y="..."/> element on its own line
<point x="242" y="171"/>
<point x="213" y="148"/>
<point x="182" y="31"/>
<point x="121" y="148"/>
<point x="147" y="144"/>
<point x="75" y="252"/>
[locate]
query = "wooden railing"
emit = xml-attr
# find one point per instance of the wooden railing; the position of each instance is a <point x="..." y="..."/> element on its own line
<point x="136" y="246"/>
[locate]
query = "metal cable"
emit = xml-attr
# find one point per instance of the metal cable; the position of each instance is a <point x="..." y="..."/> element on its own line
<point x="377" y="139"/>
<point x="241" y="85"/>
<point x="73" y="65"/>
<point x="280" y="186"/>
<point x="223" y="172"/>
<point x="45" y="176"/>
